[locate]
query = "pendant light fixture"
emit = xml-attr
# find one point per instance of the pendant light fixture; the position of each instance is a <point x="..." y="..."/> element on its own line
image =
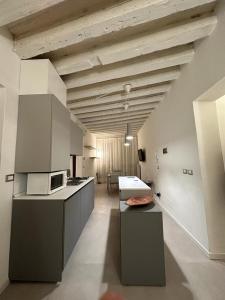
<point x="129" y="135"/>
<point x="126" y="142"/>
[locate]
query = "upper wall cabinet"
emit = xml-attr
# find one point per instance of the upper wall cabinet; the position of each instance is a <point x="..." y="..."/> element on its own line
<point x="43" y="135"/>
<point x="76" y="139"/>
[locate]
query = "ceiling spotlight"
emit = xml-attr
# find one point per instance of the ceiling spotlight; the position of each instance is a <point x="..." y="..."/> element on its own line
<point x="126" y="105"/>
<point x="129" y="137"/>
<point x="126" y="143"/>
<point x="127" y="88"/>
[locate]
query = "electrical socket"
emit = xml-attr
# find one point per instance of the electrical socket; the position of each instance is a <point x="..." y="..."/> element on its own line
<point x="190" y="172"/>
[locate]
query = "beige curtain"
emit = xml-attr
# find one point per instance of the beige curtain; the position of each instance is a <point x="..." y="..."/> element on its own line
<point x="113" y="155"/>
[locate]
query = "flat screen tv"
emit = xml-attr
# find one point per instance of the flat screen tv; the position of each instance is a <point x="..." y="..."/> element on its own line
<point x="141" y="154"/>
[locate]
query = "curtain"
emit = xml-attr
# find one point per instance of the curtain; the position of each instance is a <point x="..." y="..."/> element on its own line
<point x="113" y="155"/>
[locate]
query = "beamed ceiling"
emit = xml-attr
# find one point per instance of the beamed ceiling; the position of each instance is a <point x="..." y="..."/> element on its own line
<point x="98" y="46"/>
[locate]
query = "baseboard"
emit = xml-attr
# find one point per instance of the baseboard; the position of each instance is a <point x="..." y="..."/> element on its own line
<point x="211" y="255"/>
<point x="199" y="244"/>
<point x="4" y="286"/>
<point x="217" y="256"/>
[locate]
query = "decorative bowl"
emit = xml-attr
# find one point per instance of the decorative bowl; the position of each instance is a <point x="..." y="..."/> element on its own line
<point x="138" y="201"/>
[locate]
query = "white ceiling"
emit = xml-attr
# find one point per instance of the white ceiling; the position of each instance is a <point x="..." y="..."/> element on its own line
<point x="98" y="46"/>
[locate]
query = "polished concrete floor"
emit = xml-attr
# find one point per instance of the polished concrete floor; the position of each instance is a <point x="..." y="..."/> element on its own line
<point x="94" y="265"/>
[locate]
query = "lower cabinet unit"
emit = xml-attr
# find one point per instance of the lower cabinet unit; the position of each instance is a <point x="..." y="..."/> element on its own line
<point x="72" y="223"/>
<point x="87" y="203"/>
<point x="142" y="245"/>
<point x="44" y="233"/>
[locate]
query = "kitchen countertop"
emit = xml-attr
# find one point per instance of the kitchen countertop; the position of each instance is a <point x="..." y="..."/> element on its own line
<point x="63" y="194"/>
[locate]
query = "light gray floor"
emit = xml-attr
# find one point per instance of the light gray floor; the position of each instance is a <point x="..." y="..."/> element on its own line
<point x="94" y="265"/>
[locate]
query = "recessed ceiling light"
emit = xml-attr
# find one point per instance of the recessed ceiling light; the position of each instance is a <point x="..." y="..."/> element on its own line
<point x="127" y="88"/>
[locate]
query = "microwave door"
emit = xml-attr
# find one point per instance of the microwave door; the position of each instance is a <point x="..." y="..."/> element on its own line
<point x="56" y="181"/>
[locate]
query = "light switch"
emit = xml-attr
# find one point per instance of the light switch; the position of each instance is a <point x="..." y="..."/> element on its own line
<point x="9" y="177"/>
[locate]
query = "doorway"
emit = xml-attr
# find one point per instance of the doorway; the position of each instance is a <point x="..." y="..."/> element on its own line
<point x="209" y="112"/>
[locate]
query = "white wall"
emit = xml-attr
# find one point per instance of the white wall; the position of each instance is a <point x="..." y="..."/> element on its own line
<point x="79" y="166"/>
<point x="2" y="114"/>
<point x="173" y="125"/>
<point x="220" y="105"/>
<point x="9" y="79"/>
<point x="38" y="76"/>
<point x="89" y="164"/>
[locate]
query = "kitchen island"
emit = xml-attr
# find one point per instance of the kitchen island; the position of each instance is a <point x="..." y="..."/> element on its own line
<point x="141" y="235"/>
<point x="45" y="230"/>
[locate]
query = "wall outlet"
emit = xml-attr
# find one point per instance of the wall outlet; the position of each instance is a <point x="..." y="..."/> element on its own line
<point x="165" y="150"/>
<point x="9" y="178"/>
<point x="185" y="171"/>
<point x="190" y="172"/>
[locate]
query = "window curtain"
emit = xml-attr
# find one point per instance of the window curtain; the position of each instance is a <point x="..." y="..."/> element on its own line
<point x="113" y="155"/>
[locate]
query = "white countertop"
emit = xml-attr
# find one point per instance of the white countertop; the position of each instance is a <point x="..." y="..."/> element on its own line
<point x="63" y="194"/>
<point x="132" y="183"/>
<point x="132" y="186"/>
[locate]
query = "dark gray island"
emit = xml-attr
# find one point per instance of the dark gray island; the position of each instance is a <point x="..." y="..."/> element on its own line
<point x="45" y="230"/>
<point x="142" y="245"/>
<point x="141" y="234"/>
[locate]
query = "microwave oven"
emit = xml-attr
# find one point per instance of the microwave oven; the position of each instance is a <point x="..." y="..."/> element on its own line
<point x="46" y="183"/>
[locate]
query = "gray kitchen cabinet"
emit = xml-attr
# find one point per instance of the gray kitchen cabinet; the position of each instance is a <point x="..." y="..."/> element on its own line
<point x="87" y="203"/>
<point x="36" y="241"/>
<point x="142" y="245"/>
<point x="91" y="193"/>
<point x="44" y="234"/>
<point x="43" y="134"/>
<point x="84" y="207"/>
<point x="76" y="139"/>
<point x="72" y="229"/>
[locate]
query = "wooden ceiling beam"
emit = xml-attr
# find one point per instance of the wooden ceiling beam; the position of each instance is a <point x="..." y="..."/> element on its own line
<point x="158" y="61"/>
<point x="118" y="125"/>
<point x="17" y="10"/>
<point x="180" y="34"/>
<point x="100" y="23"/>
<point x="126" y="119"/>
<point x="117" y="86"/>
<point x="114" y="111"/>
<point x="151" y="101"/>
<point x="118" y="115"/>
<point x="105" y="106"/>
<point x="145" y="92"/>
<point x="112" y="131"/>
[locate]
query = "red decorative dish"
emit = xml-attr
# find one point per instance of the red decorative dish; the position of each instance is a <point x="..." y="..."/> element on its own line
<point x="136" y="201"/>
